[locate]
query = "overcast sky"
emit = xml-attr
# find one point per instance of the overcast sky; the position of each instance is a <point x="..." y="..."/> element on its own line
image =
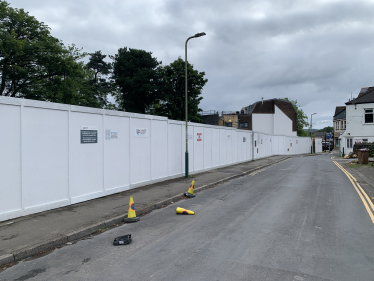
<point x="314" y="51"/>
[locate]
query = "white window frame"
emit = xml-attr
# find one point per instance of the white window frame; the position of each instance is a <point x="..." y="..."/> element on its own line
<point x="349" y="142"/>
<point x="368" y="113"/>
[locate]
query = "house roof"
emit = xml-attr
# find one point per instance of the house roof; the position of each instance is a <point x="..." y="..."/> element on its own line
<point x="339" y="109"/>
<point x="366" y="95"/>
<point x="340" y="115"/>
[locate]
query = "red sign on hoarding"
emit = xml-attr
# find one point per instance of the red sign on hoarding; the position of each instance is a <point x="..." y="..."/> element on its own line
<point x="199" y="136"/>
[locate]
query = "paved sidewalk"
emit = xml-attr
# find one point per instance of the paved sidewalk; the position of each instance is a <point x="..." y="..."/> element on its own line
<point x="365" y="177"/>
<point x="29" y="235"/>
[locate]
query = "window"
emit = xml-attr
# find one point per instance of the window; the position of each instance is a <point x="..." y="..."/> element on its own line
<point x="229" y="124"/>
<point x="368" y="115"/>
<point x="349" y="143"/>
<point x="243" y="124"/>
<point x="341" y="125"/>
<point x="345" y="125"/>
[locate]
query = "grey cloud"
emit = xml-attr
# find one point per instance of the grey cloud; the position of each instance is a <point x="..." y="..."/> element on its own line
<point x="314" y="51"/>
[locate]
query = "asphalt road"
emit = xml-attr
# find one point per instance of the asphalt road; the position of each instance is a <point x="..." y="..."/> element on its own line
<point x="297" y="220"/>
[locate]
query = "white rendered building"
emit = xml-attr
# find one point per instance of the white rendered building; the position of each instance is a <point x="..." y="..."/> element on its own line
<point x="359" y="120"/>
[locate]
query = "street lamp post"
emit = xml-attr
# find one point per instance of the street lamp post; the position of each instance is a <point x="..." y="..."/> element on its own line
<point x="311" y="127"/>
<point x="186" y="105"/>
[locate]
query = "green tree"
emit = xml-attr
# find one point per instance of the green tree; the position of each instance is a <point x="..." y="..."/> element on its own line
<point x="302" y="118"/>
<point x="171" y="102"/>
<point x="31" y="60"/>
<point x="66" y="85"/>
<point x="135" y="73"/>
<point x="98" y="85"/>
<point x="327" y="129"/>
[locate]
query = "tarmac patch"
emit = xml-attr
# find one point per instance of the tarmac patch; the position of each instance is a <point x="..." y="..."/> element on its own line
<point x="11" y="237"/>
<point x="31" y="274"/>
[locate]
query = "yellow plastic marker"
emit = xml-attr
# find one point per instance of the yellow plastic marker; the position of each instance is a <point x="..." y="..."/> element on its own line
<point x="182" y="211"/>
<point x="131" y="213"/>
<point x="190" y="190"/>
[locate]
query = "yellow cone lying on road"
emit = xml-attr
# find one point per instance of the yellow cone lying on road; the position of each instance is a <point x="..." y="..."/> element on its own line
<point x="189" y="193"/>
<point x="184" y="211"/>
<point x="131" y="215"/>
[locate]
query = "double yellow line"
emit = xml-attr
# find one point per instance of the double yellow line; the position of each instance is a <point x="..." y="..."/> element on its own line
<point x="360" y="192"/>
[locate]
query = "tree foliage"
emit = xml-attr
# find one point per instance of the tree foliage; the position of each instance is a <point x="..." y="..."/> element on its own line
<point x="97" y="85"/>
<point x="171" y="102"/>
<point x="36" y="65"/>
<point x="302" y="118"/>
<point x="135" y="73"/>
<point x="327" y="129"/>
<point x="30" y="58"/>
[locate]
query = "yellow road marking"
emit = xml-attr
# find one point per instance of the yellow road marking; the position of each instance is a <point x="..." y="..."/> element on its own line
<point x="363" y="192"/>
<point x="359" y="190"/>
<point x="332" y="157"/>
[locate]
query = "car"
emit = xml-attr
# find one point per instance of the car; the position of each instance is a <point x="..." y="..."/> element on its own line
<point x="327" y="145"/>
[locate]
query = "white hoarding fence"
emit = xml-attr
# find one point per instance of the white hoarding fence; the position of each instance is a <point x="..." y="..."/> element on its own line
<point x="53" y="155"/>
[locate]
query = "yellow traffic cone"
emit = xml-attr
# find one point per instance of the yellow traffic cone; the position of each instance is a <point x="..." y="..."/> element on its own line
<point x="189" y="193"/>
<point x="131" y="215"/>
<point x="182" y="211"/>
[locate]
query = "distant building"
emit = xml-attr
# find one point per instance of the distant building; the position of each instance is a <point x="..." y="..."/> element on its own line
<point x="339" y="121"/>
<point x="277" y="117"/>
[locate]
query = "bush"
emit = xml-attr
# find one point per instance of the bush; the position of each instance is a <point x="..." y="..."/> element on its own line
<point x="371" y="153"/>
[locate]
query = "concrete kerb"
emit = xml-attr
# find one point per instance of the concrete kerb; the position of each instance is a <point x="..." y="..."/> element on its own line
<point x="82" y="232"/>
<point x="6" y="259"/>
<point x="37" y="248"/>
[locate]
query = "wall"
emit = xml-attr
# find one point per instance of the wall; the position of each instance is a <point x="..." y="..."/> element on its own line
<point x="263" y="123"/>
<point x="44" y="165"/>
<point x="282" y="123"/>
<point x="356" y="120"/>
<point x="318" y="145"/>
<point x="211" y="119"/>
<point x="231" y="118"/>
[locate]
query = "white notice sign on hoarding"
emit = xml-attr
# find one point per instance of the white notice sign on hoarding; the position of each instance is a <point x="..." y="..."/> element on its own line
<point x="107" y="134"/>
<point x="199" y="136"/>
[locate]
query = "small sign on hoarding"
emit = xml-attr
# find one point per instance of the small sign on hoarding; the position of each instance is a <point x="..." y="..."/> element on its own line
<point x="199" y="136"/>
<point x="107" y="134"/>
<point x="88" y="134"/>
<point x="141" y="133"/>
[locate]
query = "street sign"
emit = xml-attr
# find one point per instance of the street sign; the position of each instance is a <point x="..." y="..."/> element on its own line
<point x="329" y="136"/>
